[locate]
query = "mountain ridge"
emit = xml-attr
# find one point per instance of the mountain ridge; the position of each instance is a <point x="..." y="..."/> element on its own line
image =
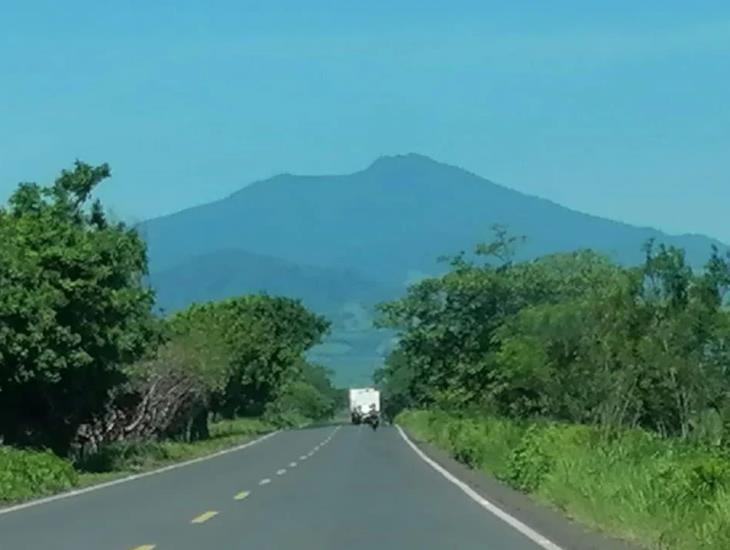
<point x="385" y="162"/>
<point x="385" y="159"/>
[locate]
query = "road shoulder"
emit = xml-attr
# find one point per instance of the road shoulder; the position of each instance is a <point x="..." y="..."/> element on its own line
<point x="549" y="522"/>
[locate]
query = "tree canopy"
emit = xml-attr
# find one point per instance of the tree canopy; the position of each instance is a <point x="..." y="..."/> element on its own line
<point x="73" y="309"/>
<point x="571" y="336"/>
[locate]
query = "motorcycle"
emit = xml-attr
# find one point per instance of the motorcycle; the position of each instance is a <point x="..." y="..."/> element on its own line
<point x="373" y="419"/>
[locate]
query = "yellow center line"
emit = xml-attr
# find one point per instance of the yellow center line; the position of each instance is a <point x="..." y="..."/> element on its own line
<point x="241" y="495"/>
<point x="145" y="547"/>
<point x="205" y="516"/>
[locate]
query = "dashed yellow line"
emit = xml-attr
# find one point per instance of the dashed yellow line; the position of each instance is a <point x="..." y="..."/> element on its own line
<point x="241" y="495"/>
<point x="205" y="516"/>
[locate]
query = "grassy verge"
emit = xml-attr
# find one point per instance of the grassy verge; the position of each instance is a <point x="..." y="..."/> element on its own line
<point x="661" y="493"/>
<point x="31" y="474"/>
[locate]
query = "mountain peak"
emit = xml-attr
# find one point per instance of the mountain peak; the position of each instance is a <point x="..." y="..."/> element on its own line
<point x="408" y="160"/>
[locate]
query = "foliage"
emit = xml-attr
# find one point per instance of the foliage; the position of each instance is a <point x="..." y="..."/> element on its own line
<point x="571" y="337"/>
<point x="73" y="309"/>
<point x="311" y="397"/>
<point x="528" y="462"/>
<point x="226" y="358"/>
<point x="25" y="474"/>
<point x="259" y="341"/>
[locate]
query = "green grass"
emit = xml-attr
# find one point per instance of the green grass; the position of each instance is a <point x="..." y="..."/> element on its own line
<point x="661" y="493"/>
<point x="30" y="474"/>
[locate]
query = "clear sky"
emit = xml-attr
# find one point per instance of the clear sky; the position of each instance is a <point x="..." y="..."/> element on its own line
<point x="617" y="108"/>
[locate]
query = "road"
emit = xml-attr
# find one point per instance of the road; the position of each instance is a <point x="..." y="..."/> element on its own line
<point x="320" y="488"/>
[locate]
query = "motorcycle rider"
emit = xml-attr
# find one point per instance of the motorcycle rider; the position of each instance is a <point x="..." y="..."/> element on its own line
<point x="373" y="417"/>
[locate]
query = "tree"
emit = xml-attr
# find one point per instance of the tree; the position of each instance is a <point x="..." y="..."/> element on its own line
<point x="73" y="309"/>
<point x="568" y="336"/>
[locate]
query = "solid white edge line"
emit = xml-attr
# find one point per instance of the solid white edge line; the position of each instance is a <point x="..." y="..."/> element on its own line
<point x="512" y="521"/>
<point x="76" y="492"/>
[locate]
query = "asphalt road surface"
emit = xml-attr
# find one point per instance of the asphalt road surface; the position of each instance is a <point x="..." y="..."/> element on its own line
<point x="321" y="488"/>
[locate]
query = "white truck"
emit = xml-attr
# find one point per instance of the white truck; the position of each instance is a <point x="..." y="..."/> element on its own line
<point x="365" y="406"/>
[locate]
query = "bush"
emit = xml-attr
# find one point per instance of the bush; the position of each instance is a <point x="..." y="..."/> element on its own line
<point x="529" y="462"/>
<point x="25" y="474"/>
<point x="467" y="438"/>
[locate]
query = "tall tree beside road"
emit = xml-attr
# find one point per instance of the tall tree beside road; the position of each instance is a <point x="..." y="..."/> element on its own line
<point x="73" y="308"/>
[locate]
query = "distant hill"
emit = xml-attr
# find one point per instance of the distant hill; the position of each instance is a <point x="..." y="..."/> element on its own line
<point x="341" y="242"/>
<point x="226" y="273"/>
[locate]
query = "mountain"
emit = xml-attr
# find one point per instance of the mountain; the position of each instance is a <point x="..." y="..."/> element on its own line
<point x="343" y="242"/>
<point x="229" y="272"/>
<point x="395" y="217"/>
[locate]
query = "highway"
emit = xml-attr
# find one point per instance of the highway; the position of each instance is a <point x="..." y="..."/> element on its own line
<point x="333" y="487"/>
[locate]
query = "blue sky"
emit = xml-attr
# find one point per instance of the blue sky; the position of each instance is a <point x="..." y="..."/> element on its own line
<point x="621" y="110"/>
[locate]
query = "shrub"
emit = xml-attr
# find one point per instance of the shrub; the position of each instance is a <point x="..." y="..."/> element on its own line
<point x="529" y="462"/>
<point x="467" y="438"/>
<point x="25" y="474"/>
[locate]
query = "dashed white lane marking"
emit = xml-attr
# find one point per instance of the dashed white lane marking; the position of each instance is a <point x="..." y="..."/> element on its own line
<point x="280" y="472"/>
<point x="265" y="481"/>
<point x="512" y="521"/>
<point x="303" y="457"/>
<point x="292" y="464"/>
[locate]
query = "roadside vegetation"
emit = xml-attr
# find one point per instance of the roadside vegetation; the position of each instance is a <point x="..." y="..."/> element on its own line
<point x="601" y="389"/>
<point x="94" y="382"/>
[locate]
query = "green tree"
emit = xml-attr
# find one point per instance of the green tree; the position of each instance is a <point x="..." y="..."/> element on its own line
<point x="568" y="336"/>
<point x="73" y="309"/>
